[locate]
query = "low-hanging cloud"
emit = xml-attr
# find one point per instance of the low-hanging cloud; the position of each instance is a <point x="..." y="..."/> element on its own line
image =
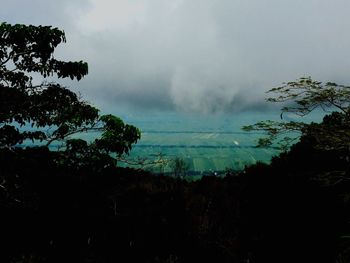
<point x="196" y="55"/>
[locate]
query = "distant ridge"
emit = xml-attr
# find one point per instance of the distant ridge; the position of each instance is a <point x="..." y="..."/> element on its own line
<point x="198" y="146"/>
<point x="203" y="132"/>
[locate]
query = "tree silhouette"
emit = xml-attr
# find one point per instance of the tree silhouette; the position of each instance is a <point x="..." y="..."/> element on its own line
<point x="179" y="167"/>
<point x="51" y="110"/>
<point x="302" y="97"/>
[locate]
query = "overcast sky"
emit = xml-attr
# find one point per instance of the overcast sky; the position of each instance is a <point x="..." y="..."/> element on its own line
<point x="194" y="55"/>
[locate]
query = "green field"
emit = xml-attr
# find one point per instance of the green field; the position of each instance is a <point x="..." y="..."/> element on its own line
<point x="203" y="151"/>
<point x="207" y="143"/>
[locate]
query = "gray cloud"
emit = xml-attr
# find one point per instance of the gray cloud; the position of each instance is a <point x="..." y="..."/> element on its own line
<point x="195" y="55"/>
<point x="40" y="12"/>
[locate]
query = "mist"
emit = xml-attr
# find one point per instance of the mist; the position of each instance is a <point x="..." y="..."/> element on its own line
<point x="194" y="55"/>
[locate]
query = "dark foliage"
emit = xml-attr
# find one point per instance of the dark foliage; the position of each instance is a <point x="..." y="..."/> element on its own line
<point x="272" y="213"/>
<point x="47" y="111"/>
<point x="77" y="206"/>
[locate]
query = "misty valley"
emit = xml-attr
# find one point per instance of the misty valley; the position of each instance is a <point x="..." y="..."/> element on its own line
<point x="244" y="181"/>
<point x="209" y="144"/>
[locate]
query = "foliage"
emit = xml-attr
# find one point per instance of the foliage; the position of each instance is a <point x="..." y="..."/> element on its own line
<point x="48" y="111"/>
<point x="322" y="154"/>
<point x="179" y="167"/>
<point x="58" y="214"/>
<point x="65" y="213"/>
<point x="309" y="95"/>
<point x="301" y="97"/>
<point x="333" y="133"/>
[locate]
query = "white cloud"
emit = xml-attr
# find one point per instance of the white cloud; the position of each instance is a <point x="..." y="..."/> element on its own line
<point x="106" y="15"/>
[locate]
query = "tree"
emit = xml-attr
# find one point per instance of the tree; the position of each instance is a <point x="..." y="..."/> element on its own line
<point x="52" y="111"/>
<point x="179" y="167"/>
<point x="302" y="97"/>
<point x="321" y="157"/>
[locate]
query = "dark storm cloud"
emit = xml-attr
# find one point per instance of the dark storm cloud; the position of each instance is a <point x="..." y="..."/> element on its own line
<point x="195" y="55"/>
<point x="120" y="95"/>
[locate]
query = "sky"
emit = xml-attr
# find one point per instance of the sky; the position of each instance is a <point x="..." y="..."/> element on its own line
<point x="193" y="55"/>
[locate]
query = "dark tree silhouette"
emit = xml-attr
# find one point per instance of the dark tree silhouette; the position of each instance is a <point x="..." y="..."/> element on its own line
<point x="301" y="97"/>
<point x="51" y="110"/>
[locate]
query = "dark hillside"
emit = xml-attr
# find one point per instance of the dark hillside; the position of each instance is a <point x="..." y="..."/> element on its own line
<point x="268" y="214"/>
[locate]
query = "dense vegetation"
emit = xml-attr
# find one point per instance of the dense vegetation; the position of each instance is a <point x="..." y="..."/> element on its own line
<point x="51" y="110"/>
<point x="75" y="206"/>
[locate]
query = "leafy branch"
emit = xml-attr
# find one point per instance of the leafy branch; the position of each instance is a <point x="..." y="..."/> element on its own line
<point x="301" y="97"/>
<point x="25" y="50"/>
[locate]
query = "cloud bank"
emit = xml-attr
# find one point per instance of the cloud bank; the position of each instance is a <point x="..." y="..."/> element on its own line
<point x="195" y="55"/>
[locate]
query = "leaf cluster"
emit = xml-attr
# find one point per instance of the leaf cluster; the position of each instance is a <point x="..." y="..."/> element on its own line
<point x="306" y="95"/>
<point x="301" y="97"/>
<point x="30" y="49"/>
<point x="48" y="111"/>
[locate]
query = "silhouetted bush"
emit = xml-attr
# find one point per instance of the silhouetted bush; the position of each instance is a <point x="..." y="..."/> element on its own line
<point x="270" y="213"/>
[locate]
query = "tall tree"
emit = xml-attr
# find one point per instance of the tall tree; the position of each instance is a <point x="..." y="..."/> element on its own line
<point x="51" y="110"/>
<point x="301" y="97"/>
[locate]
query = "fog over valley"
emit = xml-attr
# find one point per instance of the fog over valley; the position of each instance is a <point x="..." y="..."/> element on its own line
<point x="194" y="56"/>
